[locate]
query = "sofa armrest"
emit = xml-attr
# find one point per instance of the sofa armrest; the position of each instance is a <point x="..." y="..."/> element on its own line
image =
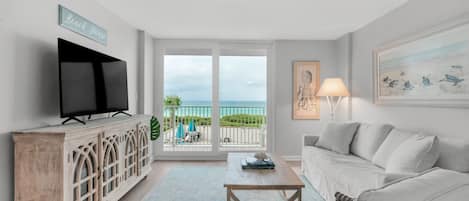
<point x="433" y="184"/>
<point x="310" y="140"/>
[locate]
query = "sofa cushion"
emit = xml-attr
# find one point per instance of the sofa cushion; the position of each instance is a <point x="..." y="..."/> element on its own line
<point x="337" y="136"/>
<point x="454" y="154"/>
<point x="331" y="172"/>
<point x="391" y="177"/>
<point x="310" y="140"/>
<point x="416" y="154"/>
<point x="368" y="139"/>
<point x="392" y="141"/>
<point x="435" y="184"/>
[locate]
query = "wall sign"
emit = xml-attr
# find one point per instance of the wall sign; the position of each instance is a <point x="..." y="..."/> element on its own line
<point x="78" y="24"/>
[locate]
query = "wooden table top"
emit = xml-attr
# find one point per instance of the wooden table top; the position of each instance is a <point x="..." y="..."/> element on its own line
<point x="282" y="177"/>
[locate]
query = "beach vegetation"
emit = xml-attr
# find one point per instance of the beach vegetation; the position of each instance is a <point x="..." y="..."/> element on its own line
<point x="237" y="120"/>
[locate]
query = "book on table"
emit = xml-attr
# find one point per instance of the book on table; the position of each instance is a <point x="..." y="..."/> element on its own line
<point x="253" y="163"/>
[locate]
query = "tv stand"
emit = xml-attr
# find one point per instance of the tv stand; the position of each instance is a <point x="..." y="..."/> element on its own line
<point x="121" y="112"/>
<point x="49" y="161"/>
<point x="73" y="118"/>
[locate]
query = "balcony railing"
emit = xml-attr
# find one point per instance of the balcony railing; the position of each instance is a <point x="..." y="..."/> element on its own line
<point x="240" y="126"/>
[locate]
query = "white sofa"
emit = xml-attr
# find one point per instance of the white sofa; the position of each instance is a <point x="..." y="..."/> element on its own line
<point x="354" y="173"/>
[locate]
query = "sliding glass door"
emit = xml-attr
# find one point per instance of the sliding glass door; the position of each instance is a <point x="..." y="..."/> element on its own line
<point x="187" y="102"/>
<point x="243" y="98"/>
<point x="215" y="101"/>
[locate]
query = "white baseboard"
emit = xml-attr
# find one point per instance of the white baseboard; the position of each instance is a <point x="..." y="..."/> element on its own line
<point x="295" y="158"/>
<point x="292" y="158"/>
<point x="190" y="158"/>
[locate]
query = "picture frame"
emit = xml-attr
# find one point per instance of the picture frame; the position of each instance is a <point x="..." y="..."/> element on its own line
<point x="306" y="83"/>
<point x="430" y="68"/>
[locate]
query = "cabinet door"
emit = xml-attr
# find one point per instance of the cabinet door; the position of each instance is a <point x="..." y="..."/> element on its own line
<point x="144" y="148"/>
<point x="130" y="154"/>
<point x="110" y="162"/>
<point x="85" y="170"/>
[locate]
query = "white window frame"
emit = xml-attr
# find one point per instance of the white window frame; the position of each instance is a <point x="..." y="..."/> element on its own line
<point x="216" y="48"/>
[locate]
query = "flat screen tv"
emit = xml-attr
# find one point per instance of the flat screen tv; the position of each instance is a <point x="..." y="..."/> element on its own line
<point x="90" y="82"/>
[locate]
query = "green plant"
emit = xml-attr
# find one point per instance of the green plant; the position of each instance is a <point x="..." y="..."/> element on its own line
<point x="242" y="120"/>
<point x="155" y="128"/>
<point x="172" y="103"/>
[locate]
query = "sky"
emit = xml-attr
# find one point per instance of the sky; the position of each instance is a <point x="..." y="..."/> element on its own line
<point x="190" y="77"/>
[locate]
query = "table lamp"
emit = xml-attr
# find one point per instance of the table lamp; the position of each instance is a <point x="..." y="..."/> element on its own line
<point x="334" y="90"/>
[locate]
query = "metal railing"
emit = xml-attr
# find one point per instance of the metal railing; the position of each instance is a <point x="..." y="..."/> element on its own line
<point x="240" y="126"/>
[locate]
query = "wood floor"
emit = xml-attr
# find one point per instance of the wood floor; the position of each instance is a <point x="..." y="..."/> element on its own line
<point x="161" y="168"/>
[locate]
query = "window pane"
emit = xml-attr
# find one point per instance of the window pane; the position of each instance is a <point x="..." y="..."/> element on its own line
<point x="189" y="77"/>
<point x="243" y="81"/>
<point x="243" y="78"/>
<point x="188" y="101"/>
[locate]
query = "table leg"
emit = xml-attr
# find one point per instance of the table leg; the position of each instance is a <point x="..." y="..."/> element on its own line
<point x="295" y="196"/>
<point x="299" y="194"/>
<point x="228" y="194"/>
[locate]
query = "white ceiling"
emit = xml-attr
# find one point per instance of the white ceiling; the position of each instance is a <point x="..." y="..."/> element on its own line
<point x="250" y="19"/>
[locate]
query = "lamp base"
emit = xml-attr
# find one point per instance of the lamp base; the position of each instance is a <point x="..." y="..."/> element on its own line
<point x="333" y="105"/>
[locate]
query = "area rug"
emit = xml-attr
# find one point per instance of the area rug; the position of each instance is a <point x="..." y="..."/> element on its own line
<point x="204" y="183"/>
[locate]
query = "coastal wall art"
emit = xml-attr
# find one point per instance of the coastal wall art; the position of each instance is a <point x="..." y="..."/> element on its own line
<point x="306" y="81"/>
<point x="428" y="69"/>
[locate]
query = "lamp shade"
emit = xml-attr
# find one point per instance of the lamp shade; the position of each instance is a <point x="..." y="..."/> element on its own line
<point x="333" y="87"/>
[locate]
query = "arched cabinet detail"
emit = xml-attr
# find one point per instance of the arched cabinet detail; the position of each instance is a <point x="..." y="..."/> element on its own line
<point x="85" y="172"/>
<point x="99" y="161"/>
<point x="110" y="164"/>
<point x="144" y="149"/>
<point x="131" y="152"/>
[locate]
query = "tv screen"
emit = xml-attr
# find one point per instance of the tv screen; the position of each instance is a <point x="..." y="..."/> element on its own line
<point x="90" y="82"/>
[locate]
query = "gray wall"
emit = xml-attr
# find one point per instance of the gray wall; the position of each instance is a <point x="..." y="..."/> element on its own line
<point x="28" y="73"/>
<point x="344" y="67"/>
<point x="416" y="15"/>
<point x="288" y="131"/>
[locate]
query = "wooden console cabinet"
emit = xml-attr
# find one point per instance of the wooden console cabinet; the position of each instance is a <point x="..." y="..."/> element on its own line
<point x="100" y="161"/>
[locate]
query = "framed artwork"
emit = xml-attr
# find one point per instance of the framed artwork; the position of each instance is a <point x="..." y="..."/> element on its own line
<point x="426" y="69"/>
<point x="306" y="83"/>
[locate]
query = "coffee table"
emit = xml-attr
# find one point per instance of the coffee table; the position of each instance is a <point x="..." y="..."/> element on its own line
<point x="281" y="178"/>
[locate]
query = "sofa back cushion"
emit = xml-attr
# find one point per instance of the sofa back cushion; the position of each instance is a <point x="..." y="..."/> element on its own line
<point x="454" y="154"/>
<point x="392" y="141"/>
<point x="368" y="139"/>
<point x="414" y="155"/>
<point x="337" y="136"/>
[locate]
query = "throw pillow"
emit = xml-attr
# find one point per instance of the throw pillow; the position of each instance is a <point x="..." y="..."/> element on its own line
<point x="368" y="139"/>
<point x="392" y="141"/>
<point x="416" y="154"/>
<point x="337" y="137"/>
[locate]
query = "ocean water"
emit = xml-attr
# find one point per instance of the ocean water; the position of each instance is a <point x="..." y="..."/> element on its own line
<point x="204" y="108"/>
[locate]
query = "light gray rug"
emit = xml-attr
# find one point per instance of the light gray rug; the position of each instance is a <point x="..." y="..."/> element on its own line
<point x="201" y="183"/>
